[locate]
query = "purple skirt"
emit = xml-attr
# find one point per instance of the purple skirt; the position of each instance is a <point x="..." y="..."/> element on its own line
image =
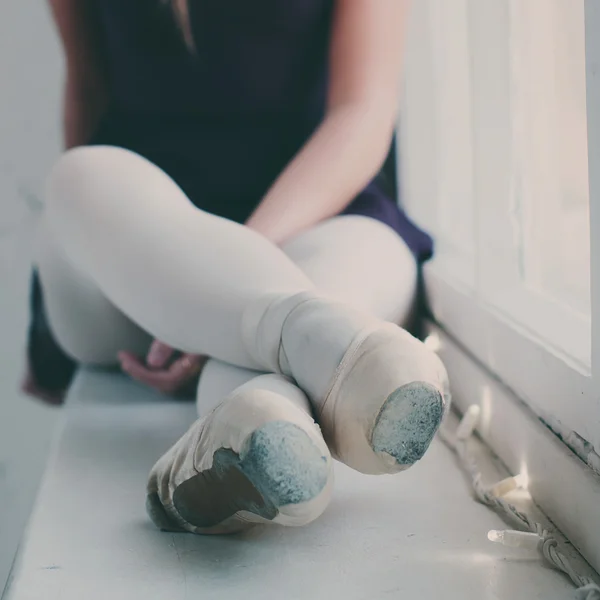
<point x="377" y="202"/>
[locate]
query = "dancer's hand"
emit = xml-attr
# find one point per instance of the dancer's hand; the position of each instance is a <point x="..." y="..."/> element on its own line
<point x="164" y="369"/>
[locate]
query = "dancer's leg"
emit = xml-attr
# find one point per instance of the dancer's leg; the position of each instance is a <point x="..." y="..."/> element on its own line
<point x="379" y="278"/>
<point x="365" y="264"/>
<point x="352" y="259"/>
<point x="120" y="238"/>
<point x="206" y="285"/>
<point x="84" y="322"/>
<point x="181" y="274"/>
<point x="361" y="262"/>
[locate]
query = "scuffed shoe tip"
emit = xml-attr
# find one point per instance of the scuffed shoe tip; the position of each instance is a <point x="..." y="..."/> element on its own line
<point x="407" y="423"/>
<point x="279" y="468"/>
<point x="284" y="464"/>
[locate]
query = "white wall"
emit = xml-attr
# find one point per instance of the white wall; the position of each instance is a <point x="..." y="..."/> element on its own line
<point x="30" y="65"/>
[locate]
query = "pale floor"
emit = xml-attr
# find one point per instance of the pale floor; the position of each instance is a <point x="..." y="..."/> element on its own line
<point x="415" y="535"/>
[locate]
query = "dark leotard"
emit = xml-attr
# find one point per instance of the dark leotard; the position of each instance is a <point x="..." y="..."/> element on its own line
<point x="226" y="119"/>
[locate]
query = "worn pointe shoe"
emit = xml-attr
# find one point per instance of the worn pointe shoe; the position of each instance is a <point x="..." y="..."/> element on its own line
<point x="378" y="393"/>
<point x="256" y="458"/>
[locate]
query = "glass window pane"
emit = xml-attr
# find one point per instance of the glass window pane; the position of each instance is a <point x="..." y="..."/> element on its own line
<point x="550" y="204"/>
<point x="455" y="202"/>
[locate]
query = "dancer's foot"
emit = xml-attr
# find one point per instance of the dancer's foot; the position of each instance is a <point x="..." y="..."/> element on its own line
<point x="256" y="458"/>
<point x="379" y="394"/>
<point x="30" y="387"/>
<point x="50" y="370"/>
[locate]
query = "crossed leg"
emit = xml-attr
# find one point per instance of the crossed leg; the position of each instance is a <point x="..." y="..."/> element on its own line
<point x="126" y="256"/>
<point x="353" y="259"/>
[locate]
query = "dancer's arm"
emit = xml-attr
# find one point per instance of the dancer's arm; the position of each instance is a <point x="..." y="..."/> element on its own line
<point x="85" y="91"/>
<point x="351" y="144"/>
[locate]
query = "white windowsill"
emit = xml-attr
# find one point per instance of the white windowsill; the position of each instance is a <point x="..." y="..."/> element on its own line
<point x="565" y="487"/>
<point x="418" y="534"/>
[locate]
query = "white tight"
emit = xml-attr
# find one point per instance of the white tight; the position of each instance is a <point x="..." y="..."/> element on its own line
<point x="124" y="256"/>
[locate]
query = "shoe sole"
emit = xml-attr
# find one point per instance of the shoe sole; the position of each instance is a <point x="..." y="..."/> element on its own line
<point x="278" y="466"/>
<point x="407" y="423"/>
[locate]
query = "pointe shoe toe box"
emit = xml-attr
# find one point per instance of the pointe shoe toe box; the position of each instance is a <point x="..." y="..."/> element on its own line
<point x="386" y="403"/>
<point x="254" y="460"/>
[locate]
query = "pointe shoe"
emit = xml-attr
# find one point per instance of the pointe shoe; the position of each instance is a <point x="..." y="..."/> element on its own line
<point x="256" y="458"/>
<point x="378" y="393"/>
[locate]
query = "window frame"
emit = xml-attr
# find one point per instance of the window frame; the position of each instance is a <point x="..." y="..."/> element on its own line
<point x="560" y="384"/>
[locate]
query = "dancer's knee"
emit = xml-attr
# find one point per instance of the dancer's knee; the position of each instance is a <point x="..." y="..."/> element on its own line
<point x="70" y="180"/>
<point x="80" y="172"/>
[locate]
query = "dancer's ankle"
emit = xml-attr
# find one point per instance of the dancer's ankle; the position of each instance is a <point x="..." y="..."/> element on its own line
<point x="262" y="326"/>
